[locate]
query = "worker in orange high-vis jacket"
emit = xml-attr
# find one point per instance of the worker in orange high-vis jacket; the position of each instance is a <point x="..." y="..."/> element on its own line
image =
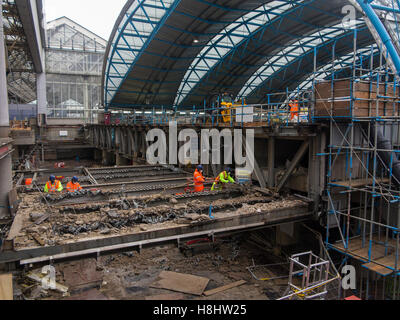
<point x="53" y="185"/>
<point x="199" y="179"/>
<point x="294" y="110"/>
<point x="74" y="186"/>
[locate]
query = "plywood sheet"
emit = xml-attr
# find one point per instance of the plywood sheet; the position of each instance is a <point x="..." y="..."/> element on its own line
<point x="181" y="283"/>
<point x="6" y="287"/>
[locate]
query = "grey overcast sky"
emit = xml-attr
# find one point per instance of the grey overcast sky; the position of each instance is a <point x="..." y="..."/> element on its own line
<point x="99" y="16"/>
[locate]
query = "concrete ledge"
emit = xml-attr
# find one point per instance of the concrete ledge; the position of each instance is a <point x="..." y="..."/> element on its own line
<point x="239" y="222"/>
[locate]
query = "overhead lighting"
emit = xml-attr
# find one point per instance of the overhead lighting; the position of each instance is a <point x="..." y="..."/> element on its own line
<point x="196" y="41"/>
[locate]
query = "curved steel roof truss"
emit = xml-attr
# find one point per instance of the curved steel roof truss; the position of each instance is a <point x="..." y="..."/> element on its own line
<point x="136" y="30"/>
<point x="236" y="44"/>
<point x="292" y="54"/>
<point x="231" y="38"/>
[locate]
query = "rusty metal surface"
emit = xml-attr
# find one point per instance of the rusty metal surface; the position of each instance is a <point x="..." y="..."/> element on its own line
<point x="82" y="274"/>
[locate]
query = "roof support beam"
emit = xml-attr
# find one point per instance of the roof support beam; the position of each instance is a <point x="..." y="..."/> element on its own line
<point x="297" y="158"/>
<point x="30" y="19"/>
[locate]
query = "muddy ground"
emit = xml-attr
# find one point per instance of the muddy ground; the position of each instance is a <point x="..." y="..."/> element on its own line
<point x="129" y="276"/>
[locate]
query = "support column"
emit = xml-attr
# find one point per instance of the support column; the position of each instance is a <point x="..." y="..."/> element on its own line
<point x="108" y="158"/>
<point x="86" y="111"/>
<point x="120" y="160"/>
<point x="316" y="169"/>
<point x="271" y="162"/>
<point x="97" y="155"/>
<point x="297" y="158"/>
<point x="5" y="163"/>
<point x="41" y="98"/>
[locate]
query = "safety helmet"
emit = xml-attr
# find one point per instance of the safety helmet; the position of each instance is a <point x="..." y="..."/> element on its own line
<point x="75" y="179"/>
<point x="52" y="178"/>
<point x="200" y="168"/>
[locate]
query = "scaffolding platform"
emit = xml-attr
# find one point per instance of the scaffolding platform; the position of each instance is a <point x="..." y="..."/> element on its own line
<point x="358" y="183"/>
<point x="377" y="258"/>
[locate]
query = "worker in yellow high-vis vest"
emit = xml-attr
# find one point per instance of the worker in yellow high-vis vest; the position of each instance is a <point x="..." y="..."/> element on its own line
<point x="53" y="185"/>
<point x="222" y="179"/>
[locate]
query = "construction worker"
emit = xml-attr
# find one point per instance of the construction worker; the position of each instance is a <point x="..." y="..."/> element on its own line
<point x="294" y="110"/>
<point x="59" y="165"/>
<point x="199" y="179"/>
<point x="53" y="186"/>
<point x="74" y="186"/>
<point x="223" y="178"/>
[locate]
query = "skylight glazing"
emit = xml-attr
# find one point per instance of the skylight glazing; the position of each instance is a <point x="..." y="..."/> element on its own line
<point x="290" y="53"/>
<point x="230" y="38"/>
<point x="134" y="32"/>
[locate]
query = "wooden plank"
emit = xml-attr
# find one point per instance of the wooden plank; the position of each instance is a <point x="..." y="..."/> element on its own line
<point x="353" y="245"/>
<point x="16" y="227"/>
<point x="38" y="239"/>
<point x="225" y="288"/>
<point x="378" y="269"/>
<point x="6" y="287"/>
<point x="181" y="283"/>
<point x="376" y="253"/>
<point x="389" y="261"/>
<point x="359" y="182"/>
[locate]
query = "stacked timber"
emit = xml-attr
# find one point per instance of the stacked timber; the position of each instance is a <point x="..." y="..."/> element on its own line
<point x="350" y="99"/>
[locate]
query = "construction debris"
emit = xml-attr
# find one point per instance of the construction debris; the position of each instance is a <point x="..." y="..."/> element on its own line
<point x="38" y="239"/>
<point x="82" y="275"/>
<point x="39" y="279"/>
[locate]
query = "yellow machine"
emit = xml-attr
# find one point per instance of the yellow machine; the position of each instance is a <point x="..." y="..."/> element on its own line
<point x="223" y="105"/>
<point x="226" y="108"/>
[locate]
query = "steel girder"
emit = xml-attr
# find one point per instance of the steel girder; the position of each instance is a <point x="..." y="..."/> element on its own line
<point x="377" y="12"/>
<point x="141" y="22"/>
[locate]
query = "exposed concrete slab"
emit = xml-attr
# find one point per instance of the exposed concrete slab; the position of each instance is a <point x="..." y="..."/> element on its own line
<point x="234" y="222"/>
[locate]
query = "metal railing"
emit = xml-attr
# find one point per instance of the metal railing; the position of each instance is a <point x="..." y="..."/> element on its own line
<point x="269" y="114"/>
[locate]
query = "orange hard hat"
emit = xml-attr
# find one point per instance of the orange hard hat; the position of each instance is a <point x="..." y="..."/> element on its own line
<point x="28" y="182"/>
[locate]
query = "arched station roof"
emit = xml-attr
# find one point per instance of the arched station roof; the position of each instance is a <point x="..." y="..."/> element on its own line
<point x="179" y="52"/>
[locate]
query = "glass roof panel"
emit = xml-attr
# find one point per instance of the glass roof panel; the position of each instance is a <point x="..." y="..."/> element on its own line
<point x="276" y="63"/>
<point x="221" y="45"/>
<point x="133" y="33"/>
